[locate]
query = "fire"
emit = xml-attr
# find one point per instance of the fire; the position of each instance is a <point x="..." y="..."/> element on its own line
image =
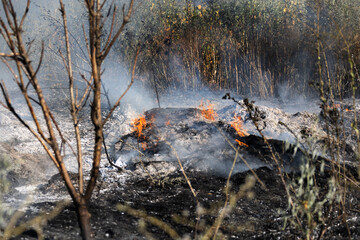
<point x="241" y="143"/>
<point x="139" y="124"/>
<point x="208" y="111"/>
<point x="167" y="122"/>
<point x="144" y="146"/>
<point x="338" y="106"/>
<point x="237" y="124"/>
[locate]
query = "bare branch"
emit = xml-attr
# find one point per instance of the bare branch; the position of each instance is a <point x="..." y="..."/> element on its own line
<point x="11" y="70"/>
<point x="30" y="45"/>
<point x="5" y="95"/>
<point x="7" y="35"/>
<point x="41" y="59"/>
<point x="25" y="13"/>
<point x="86" y="42"/>
<point x="126" y="19"/>
<point x="73" y="100"/>
<point x="107" y="15"/>
<point x="127" y="89"/>
<point x="111" y="28"/>
<point x="5" y="4"/>
<point x="10" y="107"/>
<point x="86" y="94"/>
<point x="9" y="55"/>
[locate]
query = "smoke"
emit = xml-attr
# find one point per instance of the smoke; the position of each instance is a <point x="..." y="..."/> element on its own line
<point x="116" y="79"/>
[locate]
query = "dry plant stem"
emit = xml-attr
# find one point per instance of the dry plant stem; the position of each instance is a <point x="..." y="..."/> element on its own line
<point x="182" y="169"/>
<point x="242" y="159"/>
<point x="353" y="86"/>
<point x="233" y="199"/>
<point x="152" y="220"/>
<point x="73" y="101"/>
<point x="144" y="231"/>
<point x="277" y="164"/>
<point x="126" y="19"/>
<point x="97" y="57"/>
<point x="108" y="156"/>
<point x="143" y="166"/>
<point x="227" y="188"/>
<point x="36" y="223"/>
<point x="190" y="186"/>
<point x="326" y="108"/>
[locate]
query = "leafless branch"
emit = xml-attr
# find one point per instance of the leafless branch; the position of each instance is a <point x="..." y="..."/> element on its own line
<point x="126" y="19"/>
<point x="127" y="89"/>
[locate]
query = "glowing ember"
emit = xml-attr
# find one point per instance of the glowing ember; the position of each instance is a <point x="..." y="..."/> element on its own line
<point x="144" y="146"/>
<point x="138" y="125"/>
<point x="241" y="143"/>
<point x="335" y="106"/>
<point x="237" y="124"/>
<point x="208" y="111"/>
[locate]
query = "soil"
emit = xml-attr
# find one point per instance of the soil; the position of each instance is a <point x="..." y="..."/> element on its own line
<point x="256" y="216"/>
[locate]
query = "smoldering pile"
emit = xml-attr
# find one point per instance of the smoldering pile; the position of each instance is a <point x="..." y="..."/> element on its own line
<point x="196" y="140"/>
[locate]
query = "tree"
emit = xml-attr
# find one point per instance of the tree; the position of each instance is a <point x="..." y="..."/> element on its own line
<point x="25" y="74"/>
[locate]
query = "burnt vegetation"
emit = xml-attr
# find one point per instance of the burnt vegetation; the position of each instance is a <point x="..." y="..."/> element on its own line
<point x="308" y="189"/>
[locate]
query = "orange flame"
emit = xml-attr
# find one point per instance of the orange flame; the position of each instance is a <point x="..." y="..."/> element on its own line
<point x="144" y="146"/>
<point x="237" y="124"/>
<point x="208" y="111"/>
<point x="139" y="124"/>
<point x="167" y="123"/>
<point x="331" y="107"/>
<point x="241" y="143"/>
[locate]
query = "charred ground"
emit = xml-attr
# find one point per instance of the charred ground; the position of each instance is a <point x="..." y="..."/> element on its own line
<point x="155" y="185"/>
<point x="260" y="217"/>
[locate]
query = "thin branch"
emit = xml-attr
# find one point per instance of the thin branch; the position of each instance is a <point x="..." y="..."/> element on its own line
<point x="108" y="156"/>
<point x="25" y="14"/>
<point x="41" y="59"/>
<point x="127" y="89"/>
<point x="182" y="169"/>
<point x="111" y="29"/>
<point x="86" y="42"/>
<point x="73" y="100"/>
<point x="85" y="96"/>
<point x="126" y="19"/>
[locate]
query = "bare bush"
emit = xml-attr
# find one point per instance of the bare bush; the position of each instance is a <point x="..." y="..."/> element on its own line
<point x="26" y="76"/>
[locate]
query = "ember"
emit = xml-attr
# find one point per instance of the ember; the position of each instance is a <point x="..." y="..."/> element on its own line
<point x="208" y="111"/>
<point x="334" y="106"/>
<point x="144" y="146"/>
<point x="138" y="125"/>
<point x="237" y="124"/>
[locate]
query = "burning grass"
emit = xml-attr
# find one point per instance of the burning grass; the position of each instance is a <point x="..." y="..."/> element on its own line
<point x="139" y="124"/>
<point x="207" y="111"/>
<point x="237" y="124"/>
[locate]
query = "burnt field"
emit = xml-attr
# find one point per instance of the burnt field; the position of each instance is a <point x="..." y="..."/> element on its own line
<point x="257" y="215"/>
<point x="191" y="119"/>
<point x="173" y="176"/>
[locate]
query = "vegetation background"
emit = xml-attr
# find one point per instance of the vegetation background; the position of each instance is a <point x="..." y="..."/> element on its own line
<point x="252" y="47"/>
